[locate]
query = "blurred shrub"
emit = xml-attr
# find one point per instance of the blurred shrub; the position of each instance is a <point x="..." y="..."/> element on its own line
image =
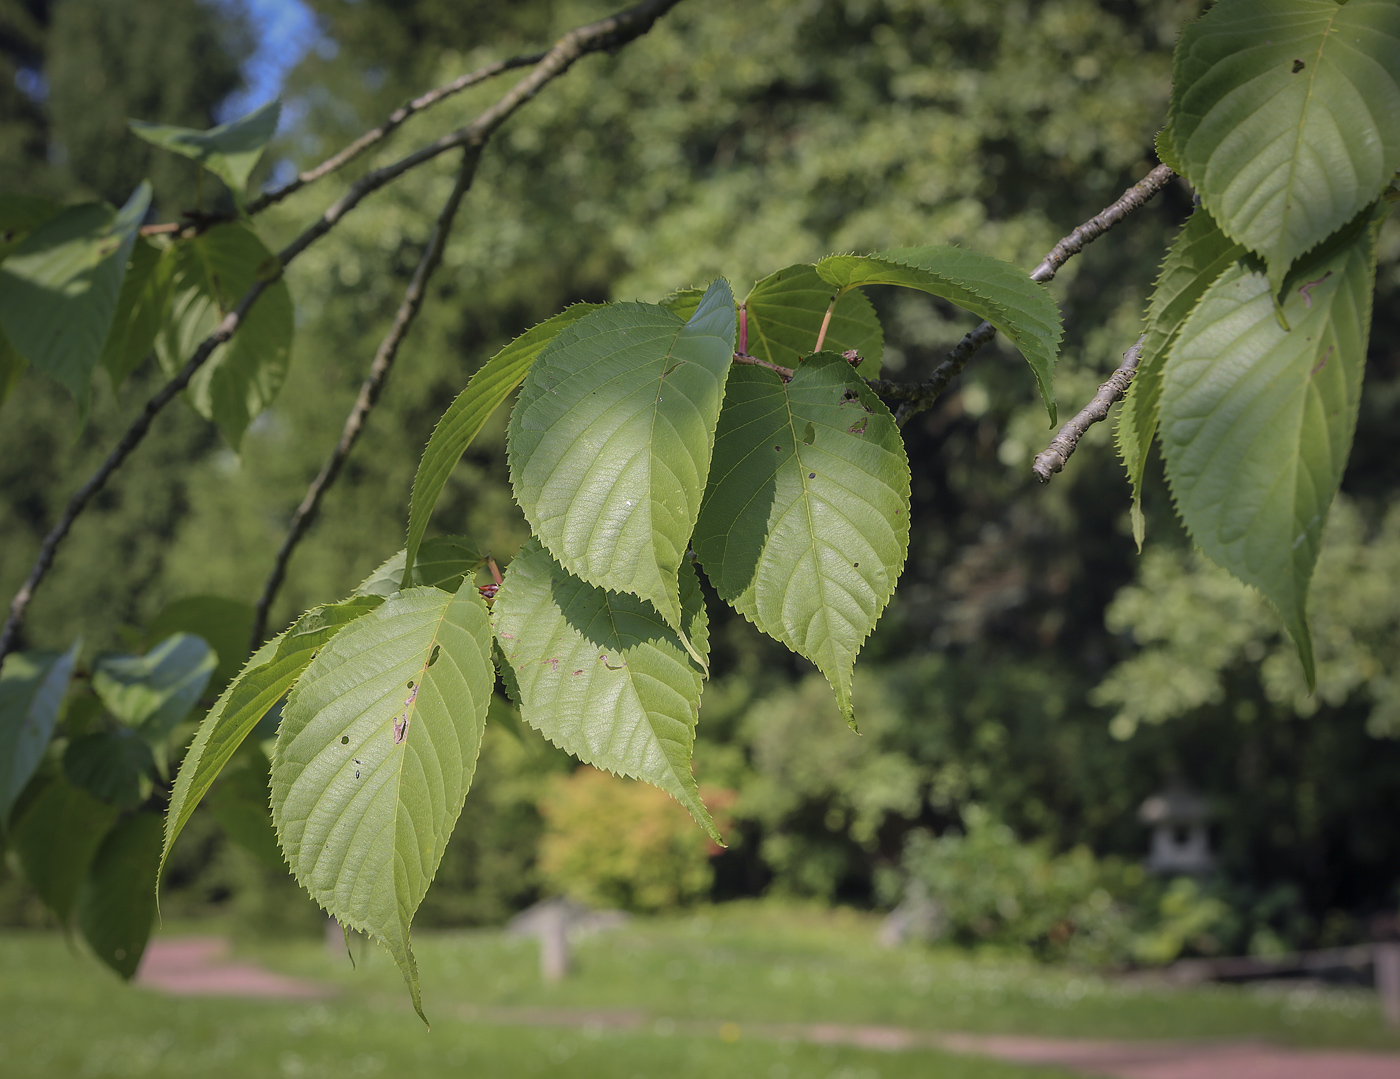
<point x="611" y="842"/>
<point x="990" y="888"/>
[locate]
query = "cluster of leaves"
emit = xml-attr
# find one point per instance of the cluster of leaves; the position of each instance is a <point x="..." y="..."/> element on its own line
<point x="739" y="436"/>
<point x="77" y="817"/>
<point x="1283" y="119"/>
<point x="80" y="289"/>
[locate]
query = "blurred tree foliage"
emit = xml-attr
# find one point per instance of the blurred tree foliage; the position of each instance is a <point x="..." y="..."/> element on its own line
<point x="736" y="139"/>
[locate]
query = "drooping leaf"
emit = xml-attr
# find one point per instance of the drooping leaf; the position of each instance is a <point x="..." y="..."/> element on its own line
<point x="805" y="524"/>
<point x="1285" y="116"/>
<point x="229" y="151"/>
<point x="117" y="901"/>
<point x="12" y="368"/>
<point x="1199" y="255"/>
<point x="223" y="623"/>
<point x="374" y="757"/>
<point x="602" y="675"/>
<point x="59" y="288"/>
<point x="141" y="308"/>
<point x="55" y="837"/>
<point x="241" y="806"/>
<point x="264" y="680"/>
<point x="1257" y="421"/>
<point x="20" y="215"/>
<point x="154" y="692"/>
<point x="785" y="312"/>
<point x="1005" y="296"/>
<point x="113" y="766"/>
<point x="243" y="377"/>
<point x="610" y="442"/>
<point x="32" y="686"/>
<point x="465" y="417"/>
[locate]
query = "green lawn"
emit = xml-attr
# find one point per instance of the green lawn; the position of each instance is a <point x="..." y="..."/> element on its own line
<point x="751" y="964"/>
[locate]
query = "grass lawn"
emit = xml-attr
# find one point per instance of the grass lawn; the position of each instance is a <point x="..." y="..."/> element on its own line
<point x="754" y="964"/>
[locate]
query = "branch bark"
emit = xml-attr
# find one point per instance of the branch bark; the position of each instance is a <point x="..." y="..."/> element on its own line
<point x="917" y="396"/>
<point x="610" y="33"/>
<point x="1051" y="459"/>
<point x="370" y="390"/>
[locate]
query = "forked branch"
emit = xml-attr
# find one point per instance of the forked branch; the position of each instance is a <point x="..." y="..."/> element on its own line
<point x="609" y="33"/>
<point x="370" y="390"/>
<point x="917" y="396"/>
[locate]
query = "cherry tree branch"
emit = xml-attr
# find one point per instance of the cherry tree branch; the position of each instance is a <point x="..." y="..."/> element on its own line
<point x="370" y="390"/>
<point x="1051" y="459"/>
<point x="610" y="33"/>
<point x="917" y="396"/>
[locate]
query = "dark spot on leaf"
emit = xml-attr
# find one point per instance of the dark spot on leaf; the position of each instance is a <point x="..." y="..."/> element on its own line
<point x="778" y="448"/>
<point x="1298" y="66"/>
<point x="855" y="565"/>
<point x="811" y="475"/>
<point x="578" y="672"/>
<point x="437" y="649"/>
<point x="357" y="773"/>
<point x="345" y="739"/>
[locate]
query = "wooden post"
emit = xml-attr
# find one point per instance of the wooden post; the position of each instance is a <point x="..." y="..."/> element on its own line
<point x="1386" y="958"/>
<point x="554" y="942"/>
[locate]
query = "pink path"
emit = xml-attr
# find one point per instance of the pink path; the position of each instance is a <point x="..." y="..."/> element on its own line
<point x="198" y="967"/>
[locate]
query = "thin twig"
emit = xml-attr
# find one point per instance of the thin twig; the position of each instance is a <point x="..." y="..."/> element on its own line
<point x="1051" y="459"/>
<point x="370" y="390"/>
<point x="134" y="434"/>
<point x="917" y="396"/>
<point x="754" y="361"/>
<point x="395" y="120"/>
<point x="609" y="33"/>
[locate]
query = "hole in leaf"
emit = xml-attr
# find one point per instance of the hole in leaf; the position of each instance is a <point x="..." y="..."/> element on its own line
<point x="810" y="436"/>
<point x="345" y="739"/>
<point x="1298" y="66"/>
<point x="410" y="685"/>
<point x="437" y="648"/>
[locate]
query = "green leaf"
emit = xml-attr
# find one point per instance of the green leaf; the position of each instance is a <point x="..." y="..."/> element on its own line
<point x="442" y="563"/>
<point x="374" y="757"/>
<point x="223" y="623"/>
<point x="243" y="376"/>
<point x="623" y="405"/>
<point x="785" y="312"/>
<point x="1257" y="421"/>
<point x="117" y="901"/>
<point x="240" y="805"/>
<point x="1018" y="307"/>
<point x="55" y="837"/>
<point x="683" y="302"/>
<point x="465" y="417"/>
<point x="601" y="674"/>
<point x="32" y="687"/>
<point x="1286" y="117"/>
<point x="20" y="215"/>
<point x="265" y="679"/>
<point x="1199" y="255"/>
<point x="805" y="524"/>
<point x="59" y="288"/>
<point x="114" y="766"/>
<point x="141" y="309"/>
<point x="229" y="151"/>
<point x="154" y="692"/>
<point x="12" y="368"/>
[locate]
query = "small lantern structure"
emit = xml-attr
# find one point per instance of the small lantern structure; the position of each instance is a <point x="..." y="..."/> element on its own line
<point x="1180" y="838"/>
